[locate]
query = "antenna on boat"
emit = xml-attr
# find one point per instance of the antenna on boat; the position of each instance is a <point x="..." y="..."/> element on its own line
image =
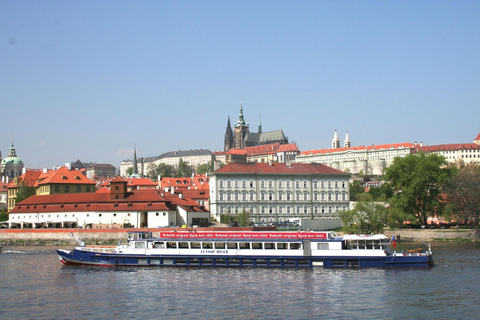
<point x="80" y="242"/>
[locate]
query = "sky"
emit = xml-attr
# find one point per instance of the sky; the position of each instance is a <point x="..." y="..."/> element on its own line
<point x="88" y="80"/>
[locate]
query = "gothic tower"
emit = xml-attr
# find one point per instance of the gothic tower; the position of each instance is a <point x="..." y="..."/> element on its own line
<point x="228" y="137"/>
<point x="240" y="131"/>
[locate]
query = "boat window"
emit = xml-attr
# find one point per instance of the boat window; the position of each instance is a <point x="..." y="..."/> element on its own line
<point x="220" y="261"/>
<point x="167" y="261"/>
<point x="303" y="263"/>
<point x="234" y="262"/>
<point x="142" y="261"/>
<point x="244" y="245"/>
<point x="140" y="244"/>
<point x="322" y="246"/>
<point x="247" y="262"/>
<point x="275" y="262"/>
<point x="195" y="245"/>
<point x="171" y="245"/>
<point x="338" y="263"/>
<point x="180" y="261"/>
<point x="183" y="245"/>
<point x="295" y="245"/>
<point x="289" y="262"/>
<point x="160" y="245"/>
<point x="219" y="245"/>
<point x="257" y="245"/>
<point x="207" y="261"/>
<point x="207" y="245"/>
<point x="261" y="262"/>
<point x="269" y="246"/>
<point x="154" y="261"/>
<point x="231" y="245"/>
<point x="282" y="245"/>
<point x="193" y="261"/>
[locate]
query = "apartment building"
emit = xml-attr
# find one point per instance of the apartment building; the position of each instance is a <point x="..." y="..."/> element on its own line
<point x="278" y="191"/>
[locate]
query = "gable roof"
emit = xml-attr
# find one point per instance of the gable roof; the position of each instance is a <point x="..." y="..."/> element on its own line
<point x="448" y="147"/>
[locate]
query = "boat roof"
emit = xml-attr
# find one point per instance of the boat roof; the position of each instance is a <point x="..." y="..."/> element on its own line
<point x="364" y="237"/>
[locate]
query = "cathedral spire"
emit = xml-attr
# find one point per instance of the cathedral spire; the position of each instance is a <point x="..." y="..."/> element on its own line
<point x="135" y="167"/>
<point x="241" y="121"/>
<point x="228" y="137"/>
<point x="259" y="124"/>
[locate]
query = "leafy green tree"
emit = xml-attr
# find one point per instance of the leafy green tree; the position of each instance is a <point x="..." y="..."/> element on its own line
<point x="243" y="218"/>
<point x="25" y="191"/>
<point x="183" y="169"/>
<point x="367" y="217"/>
<point x="163" y="170"/>
<point x="382" y="193"/>
<point x="463" y="193"/>
<point x="205" y="168"/>
<point x="356" y="189"/>
<point x="129" y="171"/>
<point x="3" y="215"/>
<point x="417" y="179"/>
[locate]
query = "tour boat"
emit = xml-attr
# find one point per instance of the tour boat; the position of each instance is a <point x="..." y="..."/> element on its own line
<point x="248" y="249"/>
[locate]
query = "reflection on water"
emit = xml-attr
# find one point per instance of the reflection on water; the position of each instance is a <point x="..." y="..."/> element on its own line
<point x="35" y="285"/>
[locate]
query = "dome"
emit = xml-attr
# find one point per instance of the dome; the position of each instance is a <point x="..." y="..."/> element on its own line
<point x="12" y="157"/>
<point x="12" y="160"/>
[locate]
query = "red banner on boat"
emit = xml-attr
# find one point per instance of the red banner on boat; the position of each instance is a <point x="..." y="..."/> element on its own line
<point x="244" y="235"/>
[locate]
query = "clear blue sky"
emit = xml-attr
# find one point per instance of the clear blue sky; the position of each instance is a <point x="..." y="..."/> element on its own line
<point x="88" y="79"/>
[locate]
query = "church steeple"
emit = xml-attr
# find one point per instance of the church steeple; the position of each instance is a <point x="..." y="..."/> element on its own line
<point x="346" y="143"/>
<point x="335" y="141"/>
<point x="135" y="166"/>
<point x="241" y="121"/>
<point x="259" y="124"/>
<point x="228" y="137"/>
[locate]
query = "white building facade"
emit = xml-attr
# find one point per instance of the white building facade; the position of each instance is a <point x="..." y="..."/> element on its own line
<point x="277" y="191"/>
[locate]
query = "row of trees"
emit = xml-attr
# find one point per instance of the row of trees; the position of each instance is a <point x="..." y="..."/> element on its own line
<point x="418" y="186"/>
<point x="182" y="170"/>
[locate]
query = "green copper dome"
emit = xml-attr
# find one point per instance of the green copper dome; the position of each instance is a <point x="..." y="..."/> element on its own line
<point x="12" y="157"/>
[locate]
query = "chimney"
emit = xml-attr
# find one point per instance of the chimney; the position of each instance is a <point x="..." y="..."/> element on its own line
<point x="270" y="163"/>
<point x="180" y="195"/>
<point x="173" y="190"/>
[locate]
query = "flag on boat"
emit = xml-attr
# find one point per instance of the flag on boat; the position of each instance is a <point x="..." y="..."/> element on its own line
<point x="393" y="241"/>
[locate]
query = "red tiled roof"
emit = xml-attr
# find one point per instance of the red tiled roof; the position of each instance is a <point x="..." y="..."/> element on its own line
<point x="448" y="147"/>
<point x="478" y="137"/>
<point x="237" y="151"/>
<point x="30" y="177"/>
<point x="288" y="147"/>
<point x="369" y="148"/>
<point x="278" y="168"/>
<point x="64" y="176"/>
<point x="263" y="149"/>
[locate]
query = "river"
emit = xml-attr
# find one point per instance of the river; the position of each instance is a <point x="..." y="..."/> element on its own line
<point x="35" y="285"/>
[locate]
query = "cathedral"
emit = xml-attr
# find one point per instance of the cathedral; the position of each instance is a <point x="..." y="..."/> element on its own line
<point x="241" y="137"/>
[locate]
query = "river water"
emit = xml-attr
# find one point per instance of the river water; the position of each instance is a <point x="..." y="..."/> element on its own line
<point x="35" y="285"/>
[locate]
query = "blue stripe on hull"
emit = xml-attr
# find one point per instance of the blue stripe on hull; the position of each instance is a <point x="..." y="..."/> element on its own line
<point x="106" y="259"/>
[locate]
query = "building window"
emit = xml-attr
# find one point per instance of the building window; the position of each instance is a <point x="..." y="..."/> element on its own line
<point x="288" y="184"/>
<point x="221" y="184"/>
<point x="262" y="184"/>
<point x="244" y="184"/>
<point x="270" y="184"/>
<point x="297" y="184"/>
<point x="280" y="184"/>
<point x="221" y="196"/>
<point x="304" y="184"/>
<point x="280" y="197"/>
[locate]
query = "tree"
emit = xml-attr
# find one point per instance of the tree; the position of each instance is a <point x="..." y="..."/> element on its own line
<point x="163" y="170"/>
<point x="129" y="171"/>
<point x="463" y="192"/>
<point x="3" y="215"/>
<point x="382" y="193"/>
<point x="417" y="179"/>
<point x="183" y="169"/>
<point x="243" y="218"/>
<point x="356" y="188"/>
<point x="367" y="217"/>
<point x="24" y="191"/>
<point x="205" y="168"/>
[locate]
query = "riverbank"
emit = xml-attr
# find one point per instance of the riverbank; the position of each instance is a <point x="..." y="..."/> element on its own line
<point x="58" y="237"/>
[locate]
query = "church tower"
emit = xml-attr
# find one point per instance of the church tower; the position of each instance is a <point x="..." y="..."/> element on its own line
<point x="228" y="137"/>
<point x="335" y="141"/>
<point x="259" y="125"/>
<point x="240" y="131"/>
<point x="346" y="143"/>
